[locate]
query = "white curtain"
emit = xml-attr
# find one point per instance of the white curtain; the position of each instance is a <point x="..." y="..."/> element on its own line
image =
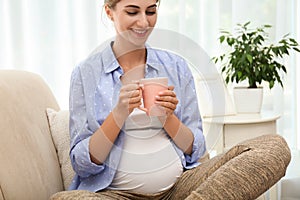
<point x="297" y="74"/>
<point x="50" y="37"/>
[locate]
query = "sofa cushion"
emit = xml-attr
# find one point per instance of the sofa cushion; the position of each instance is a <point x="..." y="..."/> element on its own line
<point x="59" y="127"/>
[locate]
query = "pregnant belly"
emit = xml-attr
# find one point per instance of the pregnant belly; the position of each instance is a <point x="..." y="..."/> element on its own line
<point x="148" y="164"/>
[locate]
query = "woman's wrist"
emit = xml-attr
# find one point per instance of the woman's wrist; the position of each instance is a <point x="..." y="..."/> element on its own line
<point x="180" y="134"/>
<point x="170" y="123"/>
<point x="119" y="116"/>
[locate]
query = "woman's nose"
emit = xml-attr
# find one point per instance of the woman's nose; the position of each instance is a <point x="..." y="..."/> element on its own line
<point x="143" y="21"/>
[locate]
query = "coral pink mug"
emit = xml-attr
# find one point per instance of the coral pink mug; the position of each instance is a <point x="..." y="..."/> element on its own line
<point x="150" y="88"/>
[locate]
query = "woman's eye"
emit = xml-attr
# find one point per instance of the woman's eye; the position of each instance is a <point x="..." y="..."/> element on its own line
<point x="150" y="12"/>
<point x="131" y="13"/>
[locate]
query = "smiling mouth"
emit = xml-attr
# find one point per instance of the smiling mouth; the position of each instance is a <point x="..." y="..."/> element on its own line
<point x="140" y="32"/>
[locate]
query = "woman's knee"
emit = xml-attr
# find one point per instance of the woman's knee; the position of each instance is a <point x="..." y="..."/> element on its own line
<point x="270" y="141"/>
<point x="272" y="148"/>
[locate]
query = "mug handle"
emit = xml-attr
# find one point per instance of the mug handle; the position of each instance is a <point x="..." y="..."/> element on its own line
<point x="142" y="108"/>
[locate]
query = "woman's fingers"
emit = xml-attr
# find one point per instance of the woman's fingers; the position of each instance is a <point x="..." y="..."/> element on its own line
<point x="130" y="97"/>
<point x="167" y="99"/>
<point x="171" y="87"/>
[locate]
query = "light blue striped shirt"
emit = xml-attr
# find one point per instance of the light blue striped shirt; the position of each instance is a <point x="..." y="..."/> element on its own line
<point x="94" y="92"/>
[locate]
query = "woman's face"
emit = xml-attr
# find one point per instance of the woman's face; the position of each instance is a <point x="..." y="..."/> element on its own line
<point x="134" y="19"/>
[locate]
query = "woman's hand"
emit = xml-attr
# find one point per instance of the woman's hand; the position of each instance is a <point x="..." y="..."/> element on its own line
<point x="103" y="139"/>
<point x="129" y="98"/>
<point x="180" y="134"/>
<point x="168" y="100"/>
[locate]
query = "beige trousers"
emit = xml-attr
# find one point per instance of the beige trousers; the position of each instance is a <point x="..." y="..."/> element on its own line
<point x="244" y="172"/>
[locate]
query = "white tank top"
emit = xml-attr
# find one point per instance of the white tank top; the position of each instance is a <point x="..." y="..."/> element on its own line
<point x="149" y="162"/>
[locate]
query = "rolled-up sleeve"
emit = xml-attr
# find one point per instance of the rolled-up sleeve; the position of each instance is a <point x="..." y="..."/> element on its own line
<point x="192" y="119"/>
<point x="80" y="132"/>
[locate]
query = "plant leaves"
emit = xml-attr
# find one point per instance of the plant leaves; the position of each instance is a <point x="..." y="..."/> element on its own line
<point x="296" y="49"/>
<point x="252" y="58"/>
<point x="249" y="58"/>
<point x="239" y="74"/>
<point x="222" y="38"/>
<point x="271" y="84"/>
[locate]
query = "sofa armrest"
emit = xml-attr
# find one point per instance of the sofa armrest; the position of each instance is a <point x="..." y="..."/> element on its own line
<point x="1" y="194"/>
<point x="29" y="165"/>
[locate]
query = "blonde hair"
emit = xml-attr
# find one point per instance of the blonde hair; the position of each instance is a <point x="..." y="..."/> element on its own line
<point x="113" y="3"/>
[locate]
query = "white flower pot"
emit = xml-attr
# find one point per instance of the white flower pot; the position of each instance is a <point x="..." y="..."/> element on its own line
<point x="248" y="100"/>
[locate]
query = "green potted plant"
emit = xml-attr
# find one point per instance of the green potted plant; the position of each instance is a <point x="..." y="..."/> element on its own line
<point x="252" y="59"/>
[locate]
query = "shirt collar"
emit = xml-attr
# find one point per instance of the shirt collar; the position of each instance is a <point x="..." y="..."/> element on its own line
<point x="152" y="59"/>
<point x="110" y="62"/>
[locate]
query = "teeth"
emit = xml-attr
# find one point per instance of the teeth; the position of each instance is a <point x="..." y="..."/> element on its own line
<point x="139" y="31"/>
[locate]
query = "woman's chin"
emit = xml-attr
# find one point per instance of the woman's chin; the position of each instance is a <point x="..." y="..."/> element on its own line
<point x="135" y="39"/>
<point x="138" y="39"/>
<point x="138" y="42"/>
